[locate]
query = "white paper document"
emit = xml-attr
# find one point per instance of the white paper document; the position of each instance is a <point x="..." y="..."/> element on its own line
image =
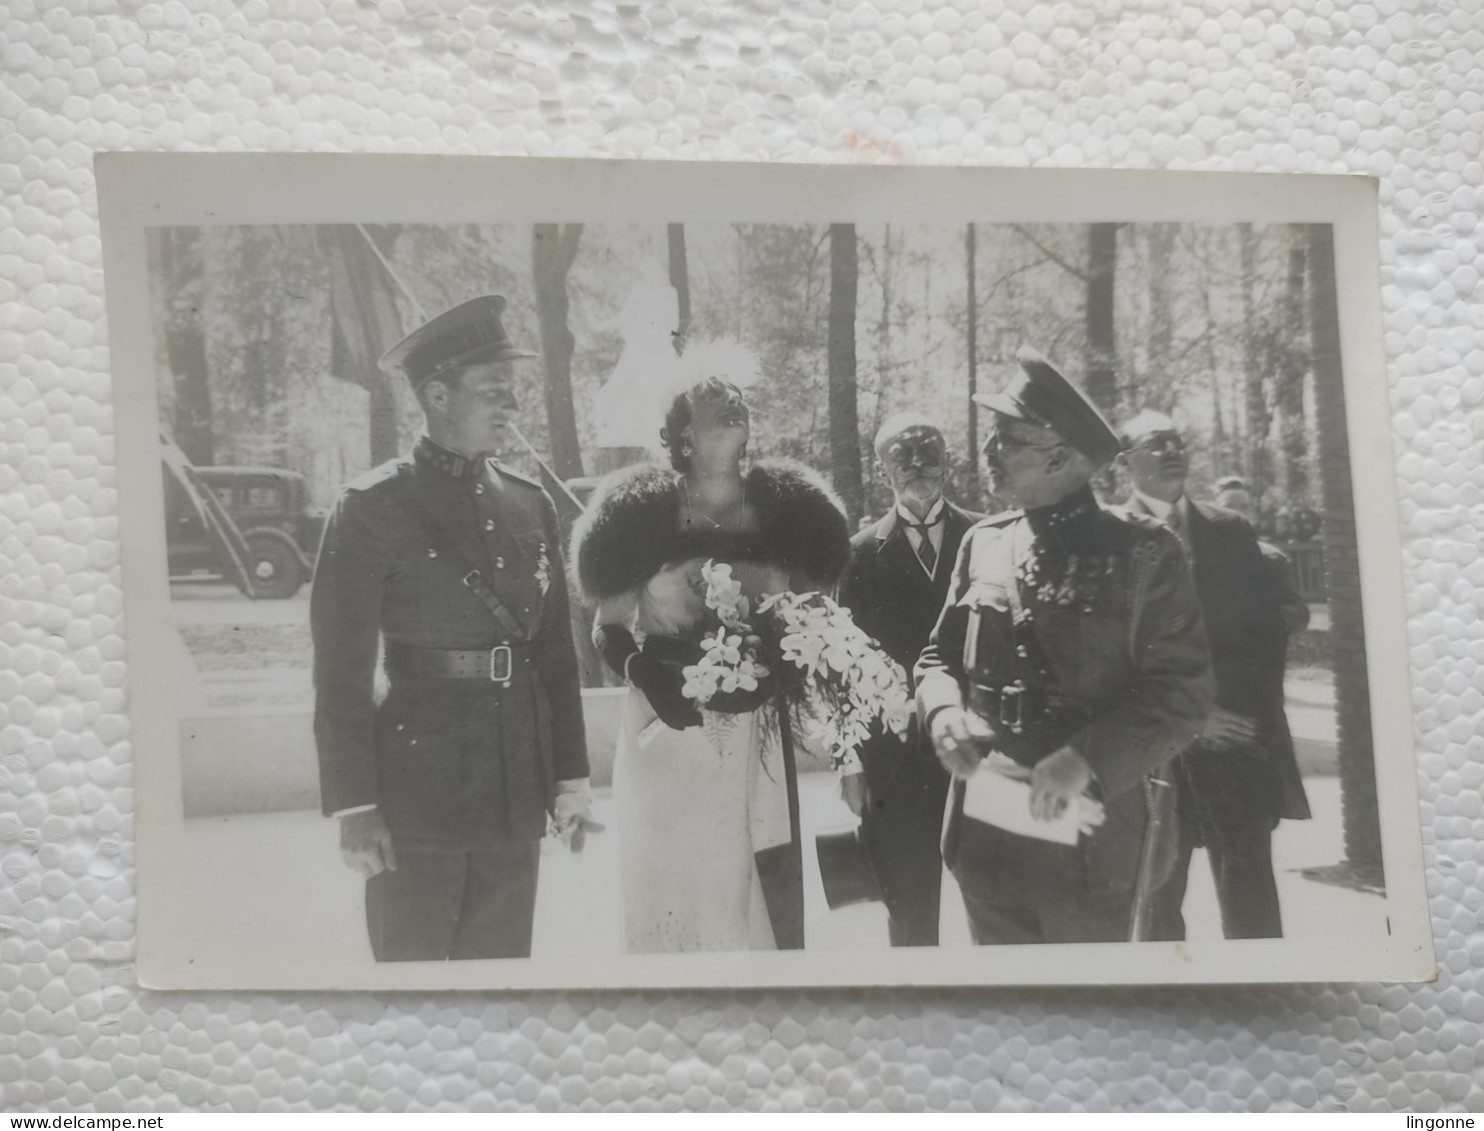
<point x="996" y="800"/>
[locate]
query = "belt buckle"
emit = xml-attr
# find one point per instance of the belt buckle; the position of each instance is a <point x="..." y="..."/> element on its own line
<point x="1013" y="707"/>
<point x="502" y="664"/>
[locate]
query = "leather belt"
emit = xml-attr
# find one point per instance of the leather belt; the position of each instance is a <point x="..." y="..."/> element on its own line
<point x="492" y="665"/>
<point x="1019" y="708"/>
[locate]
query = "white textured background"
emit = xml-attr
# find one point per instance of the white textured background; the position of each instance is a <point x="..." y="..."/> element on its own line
<point x="1394" y="89"/>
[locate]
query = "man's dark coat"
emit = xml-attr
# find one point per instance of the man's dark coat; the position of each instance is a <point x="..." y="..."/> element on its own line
<point x="892" y="597"/>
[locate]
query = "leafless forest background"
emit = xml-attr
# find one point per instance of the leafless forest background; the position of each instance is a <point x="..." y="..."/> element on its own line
<point x="267" y="337"/>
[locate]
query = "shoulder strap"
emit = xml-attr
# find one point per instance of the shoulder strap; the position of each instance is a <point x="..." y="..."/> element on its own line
<point x="1144" y="552"/>
<point x="1012" y="572"/>
<point x="473" y="580"/>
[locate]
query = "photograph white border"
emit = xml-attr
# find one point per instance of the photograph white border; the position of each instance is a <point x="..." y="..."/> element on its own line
<point x="141" y="191"/>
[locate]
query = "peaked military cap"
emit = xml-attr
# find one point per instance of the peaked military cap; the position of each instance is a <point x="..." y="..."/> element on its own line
<point x="1041" y="395"/>
<point x="466" y="335"/>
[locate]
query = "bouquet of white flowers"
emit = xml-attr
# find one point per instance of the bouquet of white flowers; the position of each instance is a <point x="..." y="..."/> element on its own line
<point x="805" y="645"/>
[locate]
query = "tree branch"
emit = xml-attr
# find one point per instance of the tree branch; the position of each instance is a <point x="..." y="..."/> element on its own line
<point x="1048" y="253"/>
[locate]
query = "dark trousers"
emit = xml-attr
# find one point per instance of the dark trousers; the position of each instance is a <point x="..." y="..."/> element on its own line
<point x="1021" y="890"/>
<point x="441" y="905"/>
<point x="902" y="832"/>
<point x="1227" y="801"/>
<point x="1246" y="891"/>
<point x="904" y="851"/>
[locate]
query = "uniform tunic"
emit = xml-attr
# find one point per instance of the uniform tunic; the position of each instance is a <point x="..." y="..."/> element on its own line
<point x="1113" y="646"/>
<point x="453" y="764"/>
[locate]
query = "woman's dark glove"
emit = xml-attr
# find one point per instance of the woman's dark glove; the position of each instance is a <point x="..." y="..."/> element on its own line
<point x="615" y="644"/>
<point x="660" y="683"/>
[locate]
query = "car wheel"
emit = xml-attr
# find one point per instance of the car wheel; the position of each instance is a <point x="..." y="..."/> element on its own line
<point x="274" y="566"/>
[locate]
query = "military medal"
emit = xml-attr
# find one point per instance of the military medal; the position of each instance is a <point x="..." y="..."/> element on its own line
<point x="1075" y="581"/>
<point x="543" y="569"/>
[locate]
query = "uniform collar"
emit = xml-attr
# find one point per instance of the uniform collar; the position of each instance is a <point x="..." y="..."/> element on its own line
<point x="1069" y="513"/>
<point x="433" y="455"/>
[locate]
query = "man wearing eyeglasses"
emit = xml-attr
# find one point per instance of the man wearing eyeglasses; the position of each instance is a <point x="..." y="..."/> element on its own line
<point x="895" y="587"/>
<point x="1067" y="665"/>
<point x="1240" y="776"/>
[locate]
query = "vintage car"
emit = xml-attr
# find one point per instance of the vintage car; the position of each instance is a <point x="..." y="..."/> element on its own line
<point x="249" y="525"/>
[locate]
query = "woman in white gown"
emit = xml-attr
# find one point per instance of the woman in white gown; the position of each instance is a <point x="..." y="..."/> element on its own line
<point x="709" y="854"/>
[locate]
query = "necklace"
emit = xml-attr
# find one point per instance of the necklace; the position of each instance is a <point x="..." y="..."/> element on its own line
<point x="695" y="513"/>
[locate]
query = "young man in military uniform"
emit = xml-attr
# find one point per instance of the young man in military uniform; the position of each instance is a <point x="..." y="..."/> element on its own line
<point x="1069" y="659"/>
<point x="1240" y="776"/>
<point x="448" y="564"/>
<point x="895" y="586"/>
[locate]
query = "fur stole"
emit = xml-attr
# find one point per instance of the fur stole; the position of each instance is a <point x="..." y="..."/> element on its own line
<point x="631" y="528"/>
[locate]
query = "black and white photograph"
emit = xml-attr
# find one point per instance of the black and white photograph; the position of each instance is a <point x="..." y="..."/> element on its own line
<point x="565" y="574"/>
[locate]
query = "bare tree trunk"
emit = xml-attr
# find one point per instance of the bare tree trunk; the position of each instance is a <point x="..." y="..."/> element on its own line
<point x="971" y="346"/>
<point x="1342" y="574"/>
<point x="553" y="248"/>
<point x="1161" y="316"/>
<point x="1295" y="426"/>
<point x="1102" y="265"/>
<point x="1259" y="419"/>
<point x="845" y="452"/>
<point x="883" y="359"/>
<point x="183" y="269"/>
<point x="680" y="280"/>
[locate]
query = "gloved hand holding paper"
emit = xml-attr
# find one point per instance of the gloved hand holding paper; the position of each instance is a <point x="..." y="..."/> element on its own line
<point x="999" y="794"/>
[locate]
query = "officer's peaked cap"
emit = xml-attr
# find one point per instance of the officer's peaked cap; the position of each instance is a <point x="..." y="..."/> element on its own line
<point x="468" y="334"/>
<point x="1041" y="395"/>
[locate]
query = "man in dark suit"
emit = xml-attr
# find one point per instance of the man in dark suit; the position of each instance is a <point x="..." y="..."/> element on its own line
<point x="1068" y="665"/>
<point x="895" y="587"/>
<point x="449" y="564"/>
<point x="1240" y="776"/>
<point x="1232" y="495"/>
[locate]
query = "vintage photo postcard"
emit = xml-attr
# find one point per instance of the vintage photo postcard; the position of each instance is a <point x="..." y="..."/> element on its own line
<point x="563" y="574"/>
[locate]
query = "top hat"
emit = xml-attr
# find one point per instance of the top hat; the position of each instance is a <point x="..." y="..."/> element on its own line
<point x="1041" y="395"/>
<point x="468" y="334"/>
<point x="846" y="870"/>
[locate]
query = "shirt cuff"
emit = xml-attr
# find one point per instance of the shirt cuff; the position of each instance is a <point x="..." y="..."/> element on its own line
<point x="573" y="785"/>
<point x="353" y="810"/>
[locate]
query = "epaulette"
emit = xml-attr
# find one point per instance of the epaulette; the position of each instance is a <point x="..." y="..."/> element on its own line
<point x="510" y="473"/>
<point x="378" y="474"/>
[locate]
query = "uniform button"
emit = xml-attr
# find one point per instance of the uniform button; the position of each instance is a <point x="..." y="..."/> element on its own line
<point x="489" y="524"/>
<point x="479" y="488"/>
<point x="499" y="563"/>
<point x="412" y="742"/>
<point x="432" y="553"/>
<point x="401" y="726"/>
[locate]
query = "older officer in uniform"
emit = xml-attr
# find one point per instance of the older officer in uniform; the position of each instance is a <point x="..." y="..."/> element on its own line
<point x="1240" y="776"/>
<point x="1069" y="657"/>
<point x="895" y="587"/>
<point x="448" y="563"/>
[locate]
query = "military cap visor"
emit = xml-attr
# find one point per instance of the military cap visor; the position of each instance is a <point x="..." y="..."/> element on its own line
<point x="469" y="334"/>
<point x="1040" y="395"/>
